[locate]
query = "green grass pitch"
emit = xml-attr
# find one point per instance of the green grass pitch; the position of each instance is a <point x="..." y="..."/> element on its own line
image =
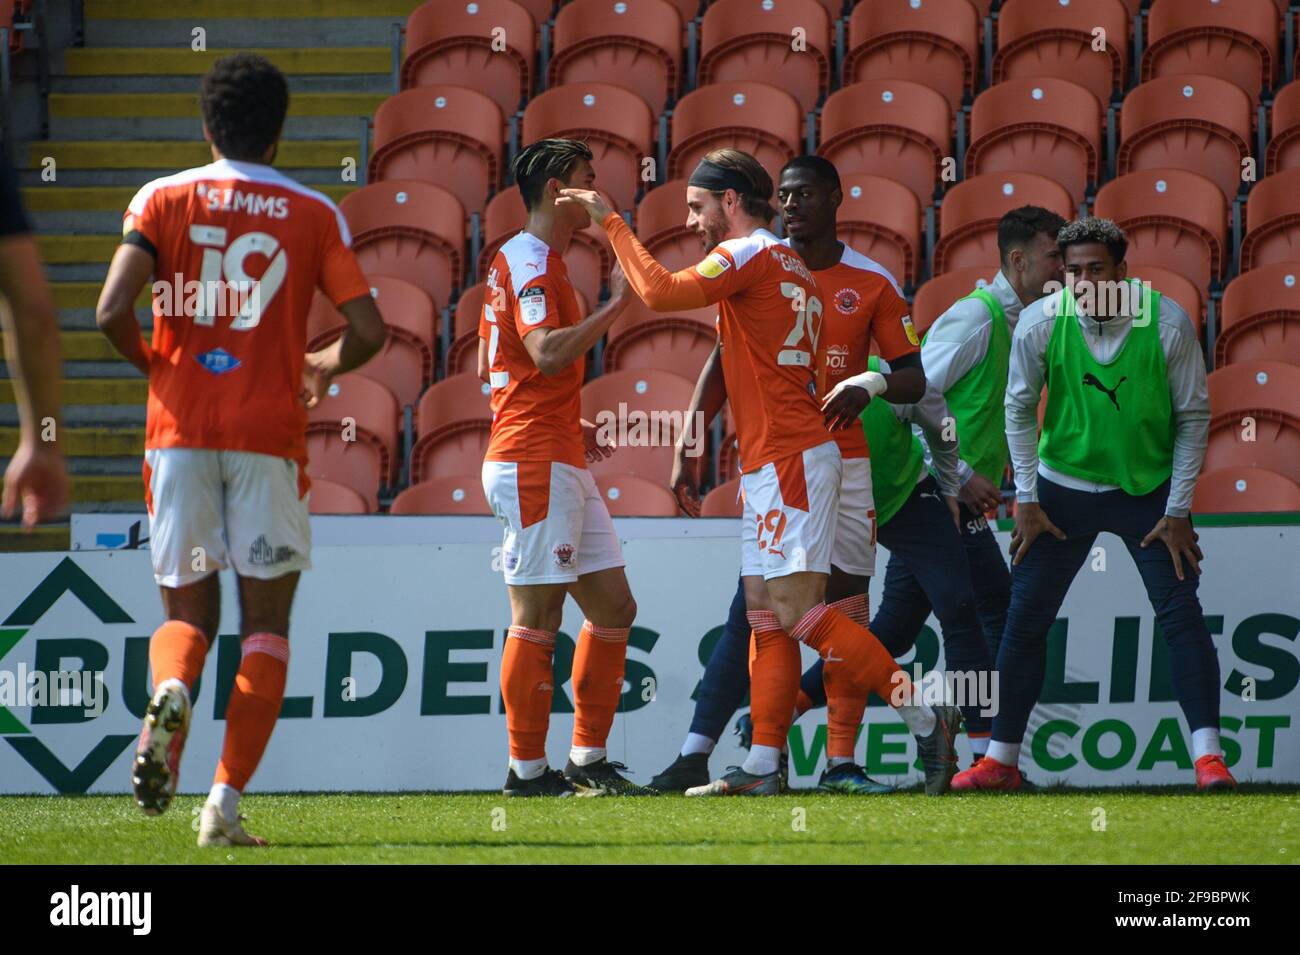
<point x="1257" y="825"/>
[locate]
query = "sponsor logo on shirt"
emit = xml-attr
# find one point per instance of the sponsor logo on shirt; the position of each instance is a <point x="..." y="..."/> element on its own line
<point x="714" y="265"/>
<point x="218" y="361"/>
<point x="837" y="358"/>
<point x="910" y="329"/>
<point x="847" y="301"/>
<point x="532" y="305"/>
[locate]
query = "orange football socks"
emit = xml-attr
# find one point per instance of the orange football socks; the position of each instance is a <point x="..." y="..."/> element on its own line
<point x="846" y="700"/>
<point x="177" y="652"/>
<point x="597" y="687"/>
<point x="526" y="690"/>
<point x="254" y="707"/>
<point x="774" y="679"/>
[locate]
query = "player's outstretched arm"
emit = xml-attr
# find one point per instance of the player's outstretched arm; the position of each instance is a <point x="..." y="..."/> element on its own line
<point x="36" y="477"/>
<point x="115" y="313"/>
<point x="555" y="349"/>
<point x="361" y="341"/>
<point x="706" y="402"/>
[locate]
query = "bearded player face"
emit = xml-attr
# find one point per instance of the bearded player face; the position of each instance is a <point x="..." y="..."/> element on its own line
<point x="705" y="216"/>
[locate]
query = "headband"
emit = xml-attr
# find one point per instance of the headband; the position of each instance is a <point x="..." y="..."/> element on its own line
<point x="715" y="178"/>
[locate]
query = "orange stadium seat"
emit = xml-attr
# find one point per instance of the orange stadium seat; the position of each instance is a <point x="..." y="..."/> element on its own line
<point x="1038" y="124"/>
<point x="447" y="135"/>
<point x="409" y="230"/>
<point x="760" y="119"/>
<point x="935" y="43"/>
<point x="627" y="495"/>
<point x="936" y="296"/>
<point x="445" y="495"/>
<point x="1244" y="490"/>
<point x="882" y="219"/>
<point x="741" y="39"/>
<point x="1232" y="39"/>
<point x="326" y="497"/>
<point x="1255" y="417"/>
<point x="540" y="9"/>
<point x="405" y="363"/>
<point x="723" y="501"/>
<point x="1272" y="221"/>
<point x="1173" y="286"/>
<point x="641" y="338"/>
<point x="1055" y="38"/>
<point x="1260" y="316"/>
<point x="452" y="424"/>
<point x="616" y="123"/>
<point x="968" y="218"/>
<point x="1173" y="218"/>
<point x="1201" y="123"/>
<point x="1283" y="150"/>
<point x="636" y="44"/>
<point x="588" y="257"/>
<point x="649" y="451"/>
<point x="492" y="41"/>
<point x="362" y="460"/>
<point x="894" y="128"/>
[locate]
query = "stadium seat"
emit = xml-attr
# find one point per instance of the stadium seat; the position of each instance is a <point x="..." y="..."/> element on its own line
<point x="447" y="135"/>
<point x="743" y="39"/>
<point x="616" y="123"/>
<point x="723" y="501"/>
<point x="356" y="413"/>
<point x="1260" y="316"/>
<point x="894" y="128"/>
<point x="760" y="119"/>
<point x="936" y="296"/>
<point x="1173" y="286"/>
<point x="1173" y="218"/>
<point x="627" y="495"/>
<point x="1272" y="221"/>
<point x="1039" y="124"/>
<point x="1283" y="151"/>
<point x="641" y="338"/>
<point x="409" y="230"/>
<point x="406" y="362"/>
<point x="452" y="400"/>
<point x="935" y="43"/>
<point x="1244" y="490"/>
<point x="588" y="257"/>
<point x="493" y="42"/>
<point x="1056" y="38"/>
<point x="968" y="218"/>
<point x="1234" y="40"/>
<point x="462" y="354"/>
<point x="452" y="423"/>
<point x="636" y="44"/>
<point x="1201" y="123"/>
<point x="1255" y="417"/>
<point x="445" y="495"/>
<point x="326" y="497"/>
<point x="657" y="399"/>
<point x="881" y="219"/>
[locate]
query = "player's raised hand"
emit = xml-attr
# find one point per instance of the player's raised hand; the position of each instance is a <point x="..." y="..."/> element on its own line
<point x="589" y="199"/>
<point x="597" y="450"/>
<point x="36" y="478"/>
<point x="1181" y="539"/>
<point x="1031" y="521"/>
<point x="843" y="405"/>
<point x="685" y="483"/>
<point x="317" y="372"/>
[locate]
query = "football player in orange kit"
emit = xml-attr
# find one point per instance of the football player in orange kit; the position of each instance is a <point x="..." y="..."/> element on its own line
<point x="238" y="251"/>
<point x="769" y="323"/>
<point x="558" y="536"/>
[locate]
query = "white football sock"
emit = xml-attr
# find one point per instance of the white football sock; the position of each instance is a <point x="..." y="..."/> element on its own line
<point x="175" y="684"/>
<point x="979" y="745"/>
<point x="586" y="755"/>
<point x="833" y="761"/>
<point x="920" y="720"/>
<point x="697" y="743"/>
<point x="528" y="768"/>
<point x="1205" y="742"/>
<point x="762" y="760"/>
<point x="1008" y="754"/>
<point x="226" y="798"/>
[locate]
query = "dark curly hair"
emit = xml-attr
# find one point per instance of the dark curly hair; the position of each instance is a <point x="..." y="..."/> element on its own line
<point x="244" y="99"/>
<point x="544" y="160"/>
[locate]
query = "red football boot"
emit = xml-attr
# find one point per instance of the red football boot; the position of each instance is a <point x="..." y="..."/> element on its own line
<point x="1212" y="774"/>
<point x="988" y="774"/>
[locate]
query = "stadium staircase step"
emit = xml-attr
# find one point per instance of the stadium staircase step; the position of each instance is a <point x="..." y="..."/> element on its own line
<point x="124" y="110"/>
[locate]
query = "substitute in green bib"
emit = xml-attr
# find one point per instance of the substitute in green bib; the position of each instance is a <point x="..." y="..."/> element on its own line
<point x="1123" y="438"/>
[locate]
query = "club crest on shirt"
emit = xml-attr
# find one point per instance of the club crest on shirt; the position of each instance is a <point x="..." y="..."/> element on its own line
<point x="713" y="265"/>
<point x="847" y="300"/>
<point x="564" y="556"/>
<point x="910" y="329"/>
